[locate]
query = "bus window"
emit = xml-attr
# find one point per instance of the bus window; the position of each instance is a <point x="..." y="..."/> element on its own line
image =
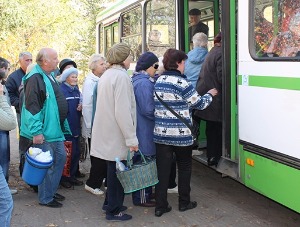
<point x="276" y="28"/>
<point x="100" y="44"/>
<point x="201" y="19"/>
<point x="132" y="29"/>
<point x="115" y="34"/>
<point x="108" y="43"/>
<point x="161" y="27"/>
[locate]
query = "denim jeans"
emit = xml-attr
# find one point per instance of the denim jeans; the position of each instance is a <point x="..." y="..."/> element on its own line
<point x="4" y="152"/>
<point x="50" y="184"/>
<point x="6" y="201"/>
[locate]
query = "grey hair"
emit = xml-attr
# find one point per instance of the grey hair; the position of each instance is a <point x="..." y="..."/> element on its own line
<point x="42" y="55"/>
<point x="93" y="59"/>
<point x="24" y="53"/>
<point x="200" y="40"/>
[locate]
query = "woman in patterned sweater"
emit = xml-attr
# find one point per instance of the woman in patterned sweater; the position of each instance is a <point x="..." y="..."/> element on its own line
<point x="171" y="135"/>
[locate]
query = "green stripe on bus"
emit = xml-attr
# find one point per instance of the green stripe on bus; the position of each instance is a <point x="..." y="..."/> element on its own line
<point x="290" y="83"/>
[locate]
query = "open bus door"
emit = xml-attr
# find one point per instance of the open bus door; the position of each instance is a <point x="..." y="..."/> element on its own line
<point x="229" y="162"/>
<point x="220" y="15"/>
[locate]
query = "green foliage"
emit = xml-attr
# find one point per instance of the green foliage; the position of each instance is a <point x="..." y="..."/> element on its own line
<point x="65" y="25"/>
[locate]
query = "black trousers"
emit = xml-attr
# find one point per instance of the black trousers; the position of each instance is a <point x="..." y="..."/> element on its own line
<point x="164" y="156"/>
<point x="214" y="139"/>
<point x="114" y="196"/>
<point x="98" y="172"/>
<point x="172" y="180"/>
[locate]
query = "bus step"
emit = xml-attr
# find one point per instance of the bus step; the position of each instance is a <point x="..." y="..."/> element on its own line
<point x="200" y="156"/>
<point x="228" y="167"/>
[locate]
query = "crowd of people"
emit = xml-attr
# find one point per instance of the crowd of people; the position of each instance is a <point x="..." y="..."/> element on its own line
<point x="115" y="113"/>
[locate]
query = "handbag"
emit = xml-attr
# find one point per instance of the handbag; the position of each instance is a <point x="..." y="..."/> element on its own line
<point x="67" y="167"/>
<point x="138" y="176"/>
<point x="179" y="117"/>
<point x="83" y="147"/>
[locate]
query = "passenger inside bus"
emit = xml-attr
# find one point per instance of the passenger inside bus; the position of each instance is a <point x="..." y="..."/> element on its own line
<point x="287" y="42"/>
<point x="195" y="24"/>
<point x="155" y="44"/>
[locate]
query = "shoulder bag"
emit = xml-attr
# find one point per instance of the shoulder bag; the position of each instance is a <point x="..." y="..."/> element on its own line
<point x="178" y="116"/>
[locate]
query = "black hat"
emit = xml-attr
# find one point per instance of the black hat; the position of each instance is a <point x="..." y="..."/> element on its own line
<point x="145" y="61"/>
<point x="194" y="12"/>
<point x="64" y="63"/>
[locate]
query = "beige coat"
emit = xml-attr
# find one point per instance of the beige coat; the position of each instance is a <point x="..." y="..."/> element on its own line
<point x="114" y="128"/>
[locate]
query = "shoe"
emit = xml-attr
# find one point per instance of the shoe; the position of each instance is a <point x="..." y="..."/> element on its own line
<point x="13" y="191"/>
<point x="152" y="196"/>
<point x="79" y="175"/>
<point x="173" y="190"/>
<point x="118" y="217"/>
<point x="52" y="204"/>
<point x="66" y="184"/>
<point x="148" y="204"/>
<point x="123" y="208"/>
<point x="59" y="197"/>
<point x="76" y="182"/>
<point x="196" y="152"/>
<point x="191" y="205"/>
<point x="159" y="213"/>
<point x="213" y="161"/>
<point x="96" y="191"/>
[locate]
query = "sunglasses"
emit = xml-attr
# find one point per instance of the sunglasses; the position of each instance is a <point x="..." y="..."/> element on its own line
<point x="155" y="66"/>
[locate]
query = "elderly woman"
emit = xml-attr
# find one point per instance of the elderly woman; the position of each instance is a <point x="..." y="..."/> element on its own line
<point x="171" y="134"/>
<point x="143" y="85"/>
<point x="196" y="58"/>
<point x="114" y="127"/>
<point x="97" y="65"/>
<point x="69" y="88"/>
<point x="192" y="69"/>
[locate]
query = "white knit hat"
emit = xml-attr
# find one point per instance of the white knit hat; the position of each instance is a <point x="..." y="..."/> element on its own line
<point x="66" y="73"/>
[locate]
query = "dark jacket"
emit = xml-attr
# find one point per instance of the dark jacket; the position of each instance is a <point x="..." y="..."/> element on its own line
<point x="200" y="27"/>
<point x="211" y="77"/>
<point x="72" y="95"/>
<point x="44" y="108"/>
<point x="143" y="86"/>
<point x="12" y="84"/>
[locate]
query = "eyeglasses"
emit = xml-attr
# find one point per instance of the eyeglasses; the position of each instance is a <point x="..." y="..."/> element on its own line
<point x="155" y="66"/>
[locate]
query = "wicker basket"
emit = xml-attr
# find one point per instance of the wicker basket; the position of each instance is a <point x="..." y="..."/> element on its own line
<point x="139" y="176"/>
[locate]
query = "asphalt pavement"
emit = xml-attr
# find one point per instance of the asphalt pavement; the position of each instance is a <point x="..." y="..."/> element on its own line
<point x="221" y="202"/>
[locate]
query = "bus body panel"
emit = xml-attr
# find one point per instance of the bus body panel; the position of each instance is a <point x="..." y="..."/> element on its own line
<point x="272" y="179"/>
<point x="268" y="121"/>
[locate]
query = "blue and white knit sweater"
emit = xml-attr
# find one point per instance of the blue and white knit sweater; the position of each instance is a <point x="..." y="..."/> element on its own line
<point x="173" y="88"/>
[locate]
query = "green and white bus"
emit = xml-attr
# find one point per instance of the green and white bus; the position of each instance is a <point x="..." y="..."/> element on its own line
<point x="261" y="78"/>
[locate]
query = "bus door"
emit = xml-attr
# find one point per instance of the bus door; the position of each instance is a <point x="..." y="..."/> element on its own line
<point x="210" y="14"/>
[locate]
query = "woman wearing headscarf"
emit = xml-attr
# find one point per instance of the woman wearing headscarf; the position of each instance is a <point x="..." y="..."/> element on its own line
<point x="171" y="134"/>
<point x="114" y="127"/>
<point x="68" y="86"/>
